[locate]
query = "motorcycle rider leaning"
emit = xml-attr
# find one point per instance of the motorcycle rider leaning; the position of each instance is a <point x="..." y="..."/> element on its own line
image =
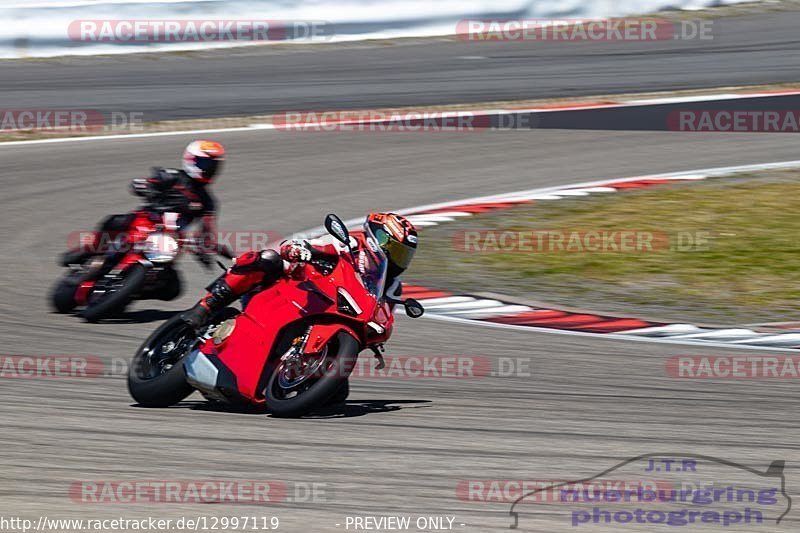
<point x="255" y="271"/>
<point x="184" y="191"/>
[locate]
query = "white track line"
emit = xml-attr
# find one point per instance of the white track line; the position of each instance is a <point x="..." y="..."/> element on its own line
<point x="94" y="138"/>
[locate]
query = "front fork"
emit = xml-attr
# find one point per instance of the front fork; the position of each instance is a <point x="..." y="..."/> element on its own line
<point x="377" y="351"/>
<point x="305" y="344"/>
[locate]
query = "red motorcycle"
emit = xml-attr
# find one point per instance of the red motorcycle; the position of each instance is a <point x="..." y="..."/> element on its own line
<point x="291" y="349"/>
<point x="135" y="260"/>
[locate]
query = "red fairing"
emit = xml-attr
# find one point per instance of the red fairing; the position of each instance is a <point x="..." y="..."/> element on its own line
<point x="321" y="334"/>
<point x="310" y="296"/>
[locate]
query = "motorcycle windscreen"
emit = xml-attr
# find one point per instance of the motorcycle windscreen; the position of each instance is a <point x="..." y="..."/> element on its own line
<point x="372" y="265"/>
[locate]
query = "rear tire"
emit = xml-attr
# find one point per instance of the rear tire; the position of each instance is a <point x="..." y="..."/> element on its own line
<point x="116" y="301"/>
<point x="164" y="389"/>
<point x="169" y="387"/>
<point x="343" y="361"/>
<point x="63" y="295"/>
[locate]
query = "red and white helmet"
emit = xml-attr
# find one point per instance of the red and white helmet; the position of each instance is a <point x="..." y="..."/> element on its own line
<point x="202" y="160"/>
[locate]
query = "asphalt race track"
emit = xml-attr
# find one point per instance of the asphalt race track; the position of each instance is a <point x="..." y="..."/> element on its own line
<point x="400" y="446"/>
<point x="748" y="50"/>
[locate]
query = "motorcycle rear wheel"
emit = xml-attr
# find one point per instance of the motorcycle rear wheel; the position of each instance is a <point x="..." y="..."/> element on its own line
<point x="156" y="381"/>
<point x="63" y="295"/>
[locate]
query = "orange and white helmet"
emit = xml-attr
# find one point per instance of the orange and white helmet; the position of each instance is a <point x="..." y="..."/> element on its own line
<point x="202" y="160"/>
<point x="397" y="236"/>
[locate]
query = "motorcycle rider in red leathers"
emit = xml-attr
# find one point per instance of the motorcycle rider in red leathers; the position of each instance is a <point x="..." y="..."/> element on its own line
<point x="254" y="271"/>
<point x="184" y="191"/>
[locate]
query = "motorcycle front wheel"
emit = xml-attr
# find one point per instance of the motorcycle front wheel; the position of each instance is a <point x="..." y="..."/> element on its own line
<point x="116" y="293"/>
<point x="296" y="387"/>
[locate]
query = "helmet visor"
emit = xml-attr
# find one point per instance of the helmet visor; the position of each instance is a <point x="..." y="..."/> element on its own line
<point x="398" y="253"/>
<point x="208" y="166"/>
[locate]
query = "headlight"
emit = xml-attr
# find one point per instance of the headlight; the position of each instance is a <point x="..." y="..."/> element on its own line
<point x="160" y="248"/>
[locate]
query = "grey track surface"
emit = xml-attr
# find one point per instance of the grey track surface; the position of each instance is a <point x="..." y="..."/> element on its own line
<point x="402" y="445"/>
<point x="754" y="49"/>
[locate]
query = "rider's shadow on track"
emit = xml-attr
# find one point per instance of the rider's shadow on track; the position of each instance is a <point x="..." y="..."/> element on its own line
<point x="354" y="408"/>
<point x="349" y="409"/>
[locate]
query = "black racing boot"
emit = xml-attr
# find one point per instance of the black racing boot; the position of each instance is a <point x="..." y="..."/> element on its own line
<point x="219" y="295"/>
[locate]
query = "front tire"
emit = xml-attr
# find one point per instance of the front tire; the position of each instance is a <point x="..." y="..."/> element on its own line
<point x="285" y="403"/>
<point x="173" y="286"/>
<point x="341" y="394"/>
